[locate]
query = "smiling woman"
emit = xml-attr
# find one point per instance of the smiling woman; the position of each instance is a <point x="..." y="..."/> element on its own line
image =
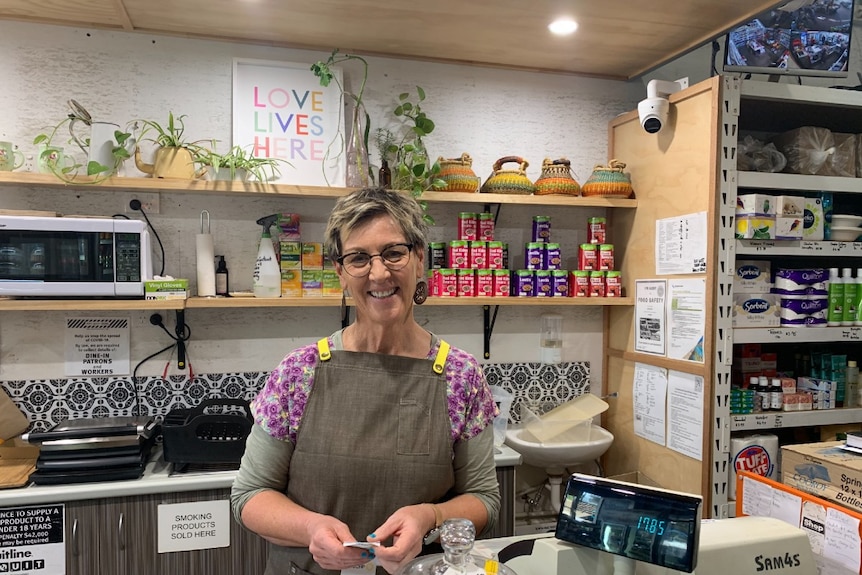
<point x="383" y="393"/>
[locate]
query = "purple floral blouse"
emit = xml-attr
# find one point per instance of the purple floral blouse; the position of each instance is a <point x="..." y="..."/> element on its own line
<point x="279" y="406"/>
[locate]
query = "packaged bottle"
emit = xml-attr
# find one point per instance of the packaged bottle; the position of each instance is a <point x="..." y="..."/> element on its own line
<point x="850" y="289"/>
<point x="384" y="175"/>
<point x="835" y="315"/>
<point x="858" y="302"/>
<point x="764" y="395"/>
<point x="776" y="395"/>
<point x="851" y="385"/>
<point x="221" y="278"/>
<point x="267" y="273"/>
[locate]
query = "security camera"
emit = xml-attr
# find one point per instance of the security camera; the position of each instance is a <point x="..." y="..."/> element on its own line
<point x="653" y="113"/>
<point x="654" y="110"/>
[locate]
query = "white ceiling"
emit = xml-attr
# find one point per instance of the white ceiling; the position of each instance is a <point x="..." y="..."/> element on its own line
<point x="619" y="39"/>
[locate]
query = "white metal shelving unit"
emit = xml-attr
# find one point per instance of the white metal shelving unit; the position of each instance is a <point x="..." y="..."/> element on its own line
<point x="789" y="106"/>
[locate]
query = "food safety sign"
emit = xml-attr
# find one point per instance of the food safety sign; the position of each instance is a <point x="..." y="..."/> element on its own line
<point x="97" y="346"/>
<point x="31" y="540"/>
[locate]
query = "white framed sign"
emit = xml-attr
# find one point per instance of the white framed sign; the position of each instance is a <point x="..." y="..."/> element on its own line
<point x="97" y="346"/>
<point x="195" y="525"/>
<point x="280" y="110"/>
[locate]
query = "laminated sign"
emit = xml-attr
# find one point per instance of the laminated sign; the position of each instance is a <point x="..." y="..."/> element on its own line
<point x="97" y="346"/>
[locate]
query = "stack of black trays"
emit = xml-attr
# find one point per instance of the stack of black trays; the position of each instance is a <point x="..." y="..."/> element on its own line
<point x="89" y="450"/>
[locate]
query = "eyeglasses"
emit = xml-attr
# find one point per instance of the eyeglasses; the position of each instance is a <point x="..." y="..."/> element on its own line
<point x="358" y="264"/>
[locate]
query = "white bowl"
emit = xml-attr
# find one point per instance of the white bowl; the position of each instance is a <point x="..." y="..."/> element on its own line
<point x="846" y="221"/>
<point x="845" y="234"/>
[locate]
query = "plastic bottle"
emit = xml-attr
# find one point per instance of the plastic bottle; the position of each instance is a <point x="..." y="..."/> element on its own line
<point x="221" y="278"/>
<point x="851" y="385"/>
<point x="858" y="302"/>
<point x="267" y="273"/>
<point x="776" y="395"/>
<point x="850" y="289"/>
<point x="551" y="338"/>
<point x="835" y="315"/>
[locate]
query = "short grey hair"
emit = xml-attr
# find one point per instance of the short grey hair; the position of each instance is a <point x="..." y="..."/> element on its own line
<point x="356" y="208"/>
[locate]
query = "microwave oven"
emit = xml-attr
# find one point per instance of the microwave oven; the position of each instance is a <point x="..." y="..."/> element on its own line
<point x="45" y="256"/>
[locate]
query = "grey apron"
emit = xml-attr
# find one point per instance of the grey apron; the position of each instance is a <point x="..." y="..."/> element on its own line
<point x="375" y="436"/>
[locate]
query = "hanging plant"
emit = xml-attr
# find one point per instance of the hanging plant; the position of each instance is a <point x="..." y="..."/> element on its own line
<point x="360" y="122"/>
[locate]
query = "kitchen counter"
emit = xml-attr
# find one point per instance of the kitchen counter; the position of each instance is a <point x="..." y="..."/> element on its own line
<point x="156" y="479"/>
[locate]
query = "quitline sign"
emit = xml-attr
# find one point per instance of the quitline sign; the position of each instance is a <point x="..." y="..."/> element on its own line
<point x="31" y="540"/>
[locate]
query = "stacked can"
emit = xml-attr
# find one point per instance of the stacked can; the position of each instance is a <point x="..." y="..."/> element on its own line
<point x="595" y="276"/>
<point x="472" y="265"/>
<point x="542" y="274"/>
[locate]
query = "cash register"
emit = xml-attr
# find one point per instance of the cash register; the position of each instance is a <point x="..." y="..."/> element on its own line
<point x="609" y="527"/>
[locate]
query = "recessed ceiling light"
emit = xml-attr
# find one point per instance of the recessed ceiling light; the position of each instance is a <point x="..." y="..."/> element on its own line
<point x="563" y="26"/>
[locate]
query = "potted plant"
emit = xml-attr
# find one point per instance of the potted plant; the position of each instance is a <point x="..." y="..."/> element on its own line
<point x="238" y="164"/>
<point x="413" y="170"/>
<point x="359" y="172"/>
<point x="174" y="155"/>
<point x="106" y="147"/>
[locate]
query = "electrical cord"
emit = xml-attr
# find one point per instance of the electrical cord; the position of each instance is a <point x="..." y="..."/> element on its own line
<point x="135" y="375"/>
<point x="715" y="49"/>
<point x="136" y="205"/>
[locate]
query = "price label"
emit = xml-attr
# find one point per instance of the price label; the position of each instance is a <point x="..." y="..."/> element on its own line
<point x="763" y="422"/>
<point x="851" y="334"/>
<point x="762" y="246"/>
<point x="857" y="247"/>
<point x="781" y="334"/>
<point x="837" y="247"/>
<point x="777" y="421"/>
<point x="738" y="422"/>
<point x="809" y="246"/>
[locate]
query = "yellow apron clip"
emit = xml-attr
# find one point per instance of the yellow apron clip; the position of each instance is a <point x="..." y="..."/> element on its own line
<point x="440" y="360"/>
<point x="323" y="349"/>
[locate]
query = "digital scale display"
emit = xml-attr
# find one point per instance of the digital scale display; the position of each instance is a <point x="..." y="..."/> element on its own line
<point x="642" y="523"/>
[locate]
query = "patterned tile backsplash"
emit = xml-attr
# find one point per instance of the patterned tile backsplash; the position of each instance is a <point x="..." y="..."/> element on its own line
<point x="46" y="402"/>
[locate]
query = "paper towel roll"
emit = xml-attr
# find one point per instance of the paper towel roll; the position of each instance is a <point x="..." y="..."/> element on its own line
<point x="757" y="453"/>
<point x="205" y="264"/>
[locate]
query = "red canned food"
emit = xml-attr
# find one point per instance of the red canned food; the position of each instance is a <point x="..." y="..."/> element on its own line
<point x="468" y="226"/>
<point x="606" y="257"/>
<point x="596" y="231"/>
<point x="459" y="254"/>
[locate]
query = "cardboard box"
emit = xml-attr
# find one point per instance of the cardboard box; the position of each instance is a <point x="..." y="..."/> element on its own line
<point x="288" y="227"/>
<point x="291" y="283"/>
<point x="17" y="462"/>
<point x="755" y="227"/>
<point x="755" y="205"/>
<point x="752" y="276"/>
<point x="166" y="289"/>
<point x="312" y="256"/>
<point x="825" y="470"/>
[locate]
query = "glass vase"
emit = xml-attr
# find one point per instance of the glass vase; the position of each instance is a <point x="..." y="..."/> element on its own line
<point x="358" y="169"/>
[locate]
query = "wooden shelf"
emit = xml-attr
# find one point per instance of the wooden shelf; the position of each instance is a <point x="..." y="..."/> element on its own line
<point x="10" y="304"/>
<point x="28" y="179"/>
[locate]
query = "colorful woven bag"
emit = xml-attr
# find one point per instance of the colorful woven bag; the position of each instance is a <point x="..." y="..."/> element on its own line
<point x="557" y="178"/>
<point x="509" y="181"/>
<point x="608" y="181"/>
<point x="458" y="174"/>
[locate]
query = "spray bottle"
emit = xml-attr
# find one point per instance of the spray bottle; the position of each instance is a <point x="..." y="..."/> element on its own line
<point x="267" y="274"/>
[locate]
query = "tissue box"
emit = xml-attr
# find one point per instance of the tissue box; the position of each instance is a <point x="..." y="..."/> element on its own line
<point x="755" y="227"/>
<point x="166" y="289"/>
<point x="752" y="276"/>
<point x="755" y="310"/>
<point x="755" y="205"/>
<point x="813" y="220"/>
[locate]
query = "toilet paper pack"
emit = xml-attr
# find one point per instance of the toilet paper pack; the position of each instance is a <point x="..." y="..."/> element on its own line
<point x="757" y="453"/>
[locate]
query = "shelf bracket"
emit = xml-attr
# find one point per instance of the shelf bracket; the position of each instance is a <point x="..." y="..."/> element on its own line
<point x="180" y="330"/>
<point x="488" y="327"/>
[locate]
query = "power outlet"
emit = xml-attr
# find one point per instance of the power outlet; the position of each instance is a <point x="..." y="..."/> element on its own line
<point x="149" y="202"/>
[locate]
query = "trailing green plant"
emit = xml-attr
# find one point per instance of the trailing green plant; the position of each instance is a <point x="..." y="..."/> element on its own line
<point x="70" y="173"/>
<point x="359" y="133"/>
<point x="240" y="161"/>
<point x="413" y="170"/>
<point x="169" y="135"/>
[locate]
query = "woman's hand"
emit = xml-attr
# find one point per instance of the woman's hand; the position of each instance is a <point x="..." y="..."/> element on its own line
<point x="327" y="536"/>
<point x="407" y="526"/>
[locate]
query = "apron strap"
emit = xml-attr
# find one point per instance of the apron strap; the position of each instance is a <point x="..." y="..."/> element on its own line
<point x="440" y="360"/>
<point x="323" y="349"/>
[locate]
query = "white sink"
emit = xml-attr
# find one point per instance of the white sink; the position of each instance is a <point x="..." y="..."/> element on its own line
<point x="556" y="454"/>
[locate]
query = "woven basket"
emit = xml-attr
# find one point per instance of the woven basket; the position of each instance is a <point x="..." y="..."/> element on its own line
<point x="557" y="179"/>
<point x="608" y="181"/>
<point x="509" y="181"/>
<point x="458" y="174"/>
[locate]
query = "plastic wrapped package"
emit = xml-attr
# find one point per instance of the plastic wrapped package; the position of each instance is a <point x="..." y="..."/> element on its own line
<point x="859" y="155"/>
<point x="754" y="155"/>
<point x="842" y="162"/>
<point x="806" y="148"/>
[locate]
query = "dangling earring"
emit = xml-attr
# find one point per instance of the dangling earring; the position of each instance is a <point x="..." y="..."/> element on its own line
<point x="344" y="294"/>
<point x="421" y="293"/>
